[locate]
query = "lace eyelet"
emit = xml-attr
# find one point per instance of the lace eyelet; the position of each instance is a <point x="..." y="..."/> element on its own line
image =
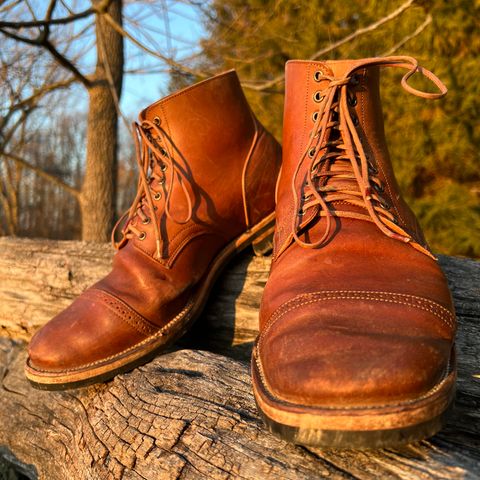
<point x="395" y="221"/>
<point x="301" y="212"/>
<point x="352" y="101"/>
<point x="142" y="236"/>
<point x="355" y="80"/>
<point x="317" y="97"/>
<point x="311" y="152"/>
<point x="161" y="181"/>
<point x="373" y="170"/>
<point x="317" y="76"/>
<point x="305" y="197"/>
<point x="156" y="121"/>
<point x="315" y="116"/>
<point x="157" y="196"/>
<point x="163" y="152"/>
<point x="378" y="188"/>
<point x="163" y="167"/>
<point x="146" y="221"/>
<point x="385" y="205"/>
<point x="356" y="122"/>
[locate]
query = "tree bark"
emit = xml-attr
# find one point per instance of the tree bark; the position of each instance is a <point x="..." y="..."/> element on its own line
<point x="190" y="413"/>
<point x="98" y="196"/>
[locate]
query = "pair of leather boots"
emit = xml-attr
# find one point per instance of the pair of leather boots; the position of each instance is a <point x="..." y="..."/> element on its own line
<point x="356" y="343"/>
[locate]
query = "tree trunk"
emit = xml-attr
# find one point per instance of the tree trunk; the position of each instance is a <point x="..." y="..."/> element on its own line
<point x="190" y="413"/>
<point x="98" y="195"/>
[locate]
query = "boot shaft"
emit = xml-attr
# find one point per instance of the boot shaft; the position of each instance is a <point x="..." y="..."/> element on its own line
<point x="356" y="84"/>
<point x="214" y="164"/>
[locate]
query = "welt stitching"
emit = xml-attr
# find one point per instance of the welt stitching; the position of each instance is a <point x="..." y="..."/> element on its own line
<point x="183" y="315"/>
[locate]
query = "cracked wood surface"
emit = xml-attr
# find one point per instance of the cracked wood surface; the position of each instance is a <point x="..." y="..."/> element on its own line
<point x="190" y="413"/>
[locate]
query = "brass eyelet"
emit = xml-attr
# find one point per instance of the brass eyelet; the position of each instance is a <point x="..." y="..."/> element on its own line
<point x="301" y="213"/>
<point x="163" y="167"/>
<point x="315" y="116"/>
<point x="163" y="151"/>
<point x="156" y="121"/>
<point x="157" y="196"/>
<point x="161" y="181"/>
<point x="311" y="152"/>
<point x="317" y="97"/>
<point x="142" y="236"/>
<point x="385" y="205"/>
<point x="352" y="101"/>
<point x="146" y="221"/>
<point x="317" y="76"/>
<point x="378" y="188"/>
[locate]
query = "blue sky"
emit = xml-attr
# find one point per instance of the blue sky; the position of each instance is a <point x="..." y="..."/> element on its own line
<point x="170" y="27"/>
<point x="186" y="30"/>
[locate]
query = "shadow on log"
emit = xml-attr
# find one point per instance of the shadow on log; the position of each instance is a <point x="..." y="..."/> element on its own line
<point x="190" y="413"/>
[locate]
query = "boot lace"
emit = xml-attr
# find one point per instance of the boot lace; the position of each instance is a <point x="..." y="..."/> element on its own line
<point x="154" y="155"/>
<point x="339" y="170"/>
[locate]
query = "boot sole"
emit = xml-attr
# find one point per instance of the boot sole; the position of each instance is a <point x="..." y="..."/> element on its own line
<point x="358" y="427"/>
<point x="258" y="236"/>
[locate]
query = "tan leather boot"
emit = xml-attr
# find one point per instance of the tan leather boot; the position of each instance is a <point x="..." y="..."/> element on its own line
<point x="357" y="323"/>
<point x="205" y="192"/>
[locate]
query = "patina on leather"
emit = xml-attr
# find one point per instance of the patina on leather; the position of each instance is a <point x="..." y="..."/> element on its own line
<point x="207" y="173"/>
<point x="356" y="311"/>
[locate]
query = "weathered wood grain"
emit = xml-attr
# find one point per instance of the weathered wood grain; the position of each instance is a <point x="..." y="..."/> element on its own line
<point x="190" y="413"/>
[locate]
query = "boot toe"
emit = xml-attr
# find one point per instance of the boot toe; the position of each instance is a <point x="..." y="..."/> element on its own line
<point x="88" y="331"/>
<point x="343" y="353"/>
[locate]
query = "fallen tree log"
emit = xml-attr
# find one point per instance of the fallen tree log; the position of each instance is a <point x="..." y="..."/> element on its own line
<point x="190" y="413"/>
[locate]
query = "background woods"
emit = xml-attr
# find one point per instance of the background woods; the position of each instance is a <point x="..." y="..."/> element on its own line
<point x="67" y="166"/>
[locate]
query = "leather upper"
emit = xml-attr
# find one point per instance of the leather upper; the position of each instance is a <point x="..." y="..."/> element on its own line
<point x="207" y="148"/>
<point x="363" y="318"/>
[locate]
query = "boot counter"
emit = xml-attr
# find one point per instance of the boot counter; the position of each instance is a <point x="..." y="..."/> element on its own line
<point x="260" y="176"/>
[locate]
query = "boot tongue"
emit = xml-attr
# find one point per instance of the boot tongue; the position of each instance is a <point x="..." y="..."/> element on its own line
<point x="336" y="175"/>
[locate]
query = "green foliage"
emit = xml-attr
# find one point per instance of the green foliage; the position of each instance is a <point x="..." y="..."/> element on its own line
<point x="434" y="144"/>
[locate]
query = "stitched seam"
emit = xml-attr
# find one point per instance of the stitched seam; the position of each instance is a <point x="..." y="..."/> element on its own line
<point x="178" y="249"/>
<point x="357" y="295"/>
<point x="329" y="293"/>
<point x="137" y="321"/>
<point x="184" y="314"/>
<point x="341" y="297"/>
<point x="256" y="141"/>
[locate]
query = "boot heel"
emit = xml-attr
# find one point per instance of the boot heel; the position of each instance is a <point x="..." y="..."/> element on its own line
<point x="263" y="244"/>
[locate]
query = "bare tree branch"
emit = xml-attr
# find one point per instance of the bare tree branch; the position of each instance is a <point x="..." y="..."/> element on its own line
<point x="354" y="35"/>
<point x="42" y="41"/>
<point x="67" y="64"/>
<point x="169" y="61"/>
<point x="37" y="94"/>
<point x="99" y="8"/>
<point x="41" y="173"/>
<point x="407" y="38"/>
<point x="50" y="9"/>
